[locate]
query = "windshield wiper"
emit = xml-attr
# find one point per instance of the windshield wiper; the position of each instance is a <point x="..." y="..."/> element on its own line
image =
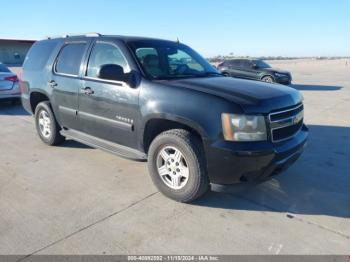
<point x="213" y="73"/>
<point x="174" y="77"/>
<point x="206" y="74"/>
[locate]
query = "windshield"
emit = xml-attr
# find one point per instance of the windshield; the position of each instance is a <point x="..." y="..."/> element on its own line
<point x="169" y="60"/>
<point x="262" y="64"/>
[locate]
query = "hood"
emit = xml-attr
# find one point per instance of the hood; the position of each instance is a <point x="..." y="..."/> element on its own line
<point x="252" y="96"/>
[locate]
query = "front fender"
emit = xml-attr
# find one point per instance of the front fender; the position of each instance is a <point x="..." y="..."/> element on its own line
<point x="176" y="118"/>
<point x="199" y="110"/>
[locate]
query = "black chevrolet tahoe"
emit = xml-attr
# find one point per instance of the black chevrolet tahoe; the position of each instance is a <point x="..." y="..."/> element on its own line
<point x="160" y="101"/>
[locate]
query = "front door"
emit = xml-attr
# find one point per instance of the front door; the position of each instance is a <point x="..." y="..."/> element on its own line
<point x="248" y="71"/>
<point x="108" y="109"/>
<point x="235" y="68"/>
<point x="66" y="83"/>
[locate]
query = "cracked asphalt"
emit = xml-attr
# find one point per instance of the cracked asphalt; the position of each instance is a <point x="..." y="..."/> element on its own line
<point x="74" y="199"/>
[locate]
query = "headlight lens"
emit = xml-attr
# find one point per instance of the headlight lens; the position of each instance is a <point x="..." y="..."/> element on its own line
<point x="243" y="127"/>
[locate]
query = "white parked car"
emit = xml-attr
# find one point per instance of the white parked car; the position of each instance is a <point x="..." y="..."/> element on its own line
<point x="9" y="86"/>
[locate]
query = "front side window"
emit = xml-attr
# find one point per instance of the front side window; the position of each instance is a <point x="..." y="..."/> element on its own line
<point x="261" y="64"/>
<point x="69" y="59"/>
<point x="103" y="54"/>
<point x="168" y="60"/>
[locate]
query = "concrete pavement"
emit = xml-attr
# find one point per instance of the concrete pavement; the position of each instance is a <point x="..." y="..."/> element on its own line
<point x="74" y="199"/>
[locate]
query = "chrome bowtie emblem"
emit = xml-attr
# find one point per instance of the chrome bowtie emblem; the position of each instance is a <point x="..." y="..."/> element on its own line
<point x="298" y="118"/>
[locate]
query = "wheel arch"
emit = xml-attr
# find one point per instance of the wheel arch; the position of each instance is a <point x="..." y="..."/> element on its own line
<point x="37" y="96"/>
<point x="267" y="74"/>
<point x="159" y="123"/>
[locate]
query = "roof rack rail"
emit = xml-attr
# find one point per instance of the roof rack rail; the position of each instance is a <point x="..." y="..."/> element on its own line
<point x="92" y="34"/>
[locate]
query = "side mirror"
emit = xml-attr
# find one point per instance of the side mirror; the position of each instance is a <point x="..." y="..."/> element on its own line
<point x="254" y="66"/>
<point x="116" y="73"/>
<point x="111" y="72"/>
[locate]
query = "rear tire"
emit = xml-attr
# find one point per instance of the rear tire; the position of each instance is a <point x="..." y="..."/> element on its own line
<point x="46" y="125"/>
<point x="177" y="165"/>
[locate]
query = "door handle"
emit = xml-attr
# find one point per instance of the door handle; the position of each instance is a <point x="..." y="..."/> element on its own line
<point x="87" y="90"/>
<point x="52" y="83"/>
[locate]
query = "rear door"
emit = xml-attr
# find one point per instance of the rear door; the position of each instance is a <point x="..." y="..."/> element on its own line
<point x="66" y="82"/>
<point x="107" y="108"/>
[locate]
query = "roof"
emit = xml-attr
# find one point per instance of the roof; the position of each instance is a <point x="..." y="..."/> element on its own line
<point x="120" y="37"/>
<point x="17" y="40"/>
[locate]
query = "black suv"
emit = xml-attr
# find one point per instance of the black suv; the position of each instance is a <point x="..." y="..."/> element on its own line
<point x="254" y="69"/>
<point x="157" y="100"/>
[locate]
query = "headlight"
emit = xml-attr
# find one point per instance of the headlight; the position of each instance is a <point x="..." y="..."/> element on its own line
<point x="243" y="127"/>
<point x="280" y="75"/>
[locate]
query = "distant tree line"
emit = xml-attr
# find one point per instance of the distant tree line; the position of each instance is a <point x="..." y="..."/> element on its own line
<point x="220" y="58"/>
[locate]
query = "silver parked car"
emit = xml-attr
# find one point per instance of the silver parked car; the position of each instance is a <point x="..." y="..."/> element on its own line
<point x="9" y="86"/>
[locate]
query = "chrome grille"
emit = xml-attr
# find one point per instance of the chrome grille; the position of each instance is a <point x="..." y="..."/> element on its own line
<point x="285" y="124"/>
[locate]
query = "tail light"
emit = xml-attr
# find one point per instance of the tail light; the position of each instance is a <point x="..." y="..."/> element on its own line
<point x="22" y="86"/>
<point x="11" y="78"/>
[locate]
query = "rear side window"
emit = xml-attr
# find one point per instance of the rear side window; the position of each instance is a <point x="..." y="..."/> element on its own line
<point x="246" y="64"/>
<point x="234" y="63"/>
<point x="38" y="55"/>
<point x="69" y="59"/>
<point x="239" y="64"/>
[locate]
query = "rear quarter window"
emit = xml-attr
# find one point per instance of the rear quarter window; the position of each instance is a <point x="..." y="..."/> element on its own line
<point x="38" y="55"/>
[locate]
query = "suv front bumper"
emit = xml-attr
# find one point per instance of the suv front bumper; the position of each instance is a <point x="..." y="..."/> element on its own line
<point x="233" y="162"/>
<point x="284" y="80"/>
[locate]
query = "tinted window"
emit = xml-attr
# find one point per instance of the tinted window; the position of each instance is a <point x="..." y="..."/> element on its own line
<point x="169" y="60"/>
<point x="234" y="63"/>
<point x="4" y="69"/>
<point x="239" y="63"/>
<point x="69" y="59"/>
<point x="262" y="64"/>
<point x="246" y="64"/>
<point x="183" y="58"/>
<point x="103" y="54"/>
<point x="141" y="53"/>
<point x="38" y="55"/>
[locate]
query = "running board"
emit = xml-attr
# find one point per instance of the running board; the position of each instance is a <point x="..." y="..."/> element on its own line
<point x="105" y="145"/>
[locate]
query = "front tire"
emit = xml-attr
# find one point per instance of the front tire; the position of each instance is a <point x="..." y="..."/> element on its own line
<point x="46" y="125"/>
<point x="177" y="165"/>
<point x="268" y="79"/>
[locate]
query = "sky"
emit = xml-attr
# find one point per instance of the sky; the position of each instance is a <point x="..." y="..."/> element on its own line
<point x="212" y="27"/>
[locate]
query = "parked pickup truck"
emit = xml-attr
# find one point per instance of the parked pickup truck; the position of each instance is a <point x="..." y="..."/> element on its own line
<point x="158" y="100"/>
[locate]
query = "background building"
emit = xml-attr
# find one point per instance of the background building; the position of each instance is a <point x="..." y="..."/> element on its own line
<point x="13" y="51"/>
